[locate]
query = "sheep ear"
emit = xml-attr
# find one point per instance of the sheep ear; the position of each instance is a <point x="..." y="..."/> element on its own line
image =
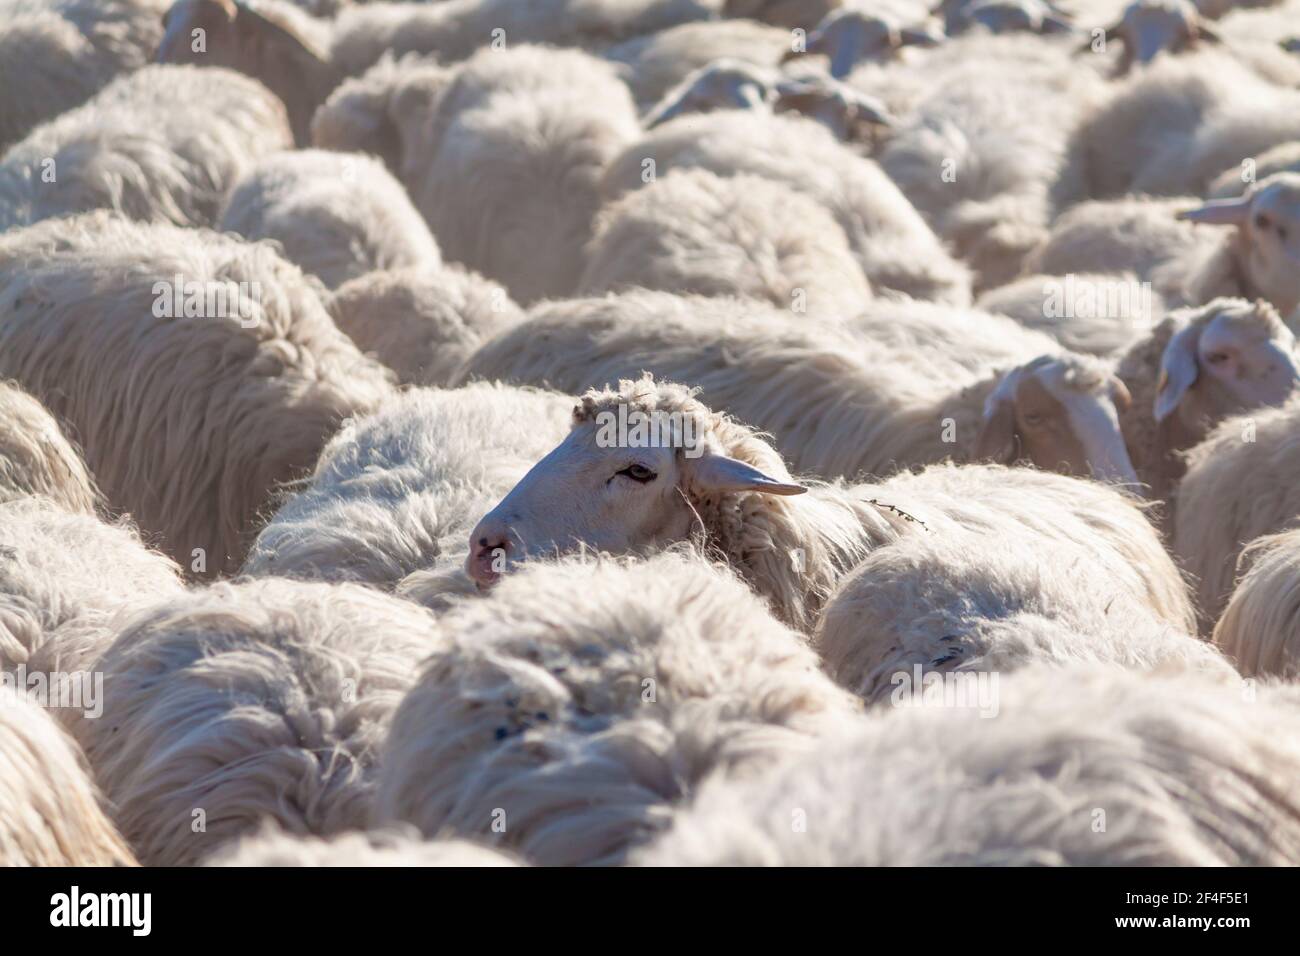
<point x="919" y="36"/>
<point x="1178" y="371"/>
<point x="1208" y="34"/>
<point x="1220" y="212"/>
<point x="866" y="108"/>
<point x="718" y="473"/>
<point x="1054" y="23"/>
<point x="997" y="438"/>
<point x="1120" y="395"/>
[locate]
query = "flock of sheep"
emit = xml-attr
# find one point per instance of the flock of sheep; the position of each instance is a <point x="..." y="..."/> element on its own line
<point x="966" y="530"/>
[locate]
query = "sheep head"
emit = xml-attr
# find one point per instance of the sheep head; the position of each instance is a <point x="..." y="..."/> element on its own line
<point x="722" y="84"/>
<point x="1267" y="219"/>
<point x="1226" y="357"/>
<point x="1148" y="28"/>
<point x="1062" y="414"/>
<point x="849" y="113"/>
<point x="266" y="44"/>
<point x="1004" y="16"/>
<point x="645" y="465"/>
<point x="851" y="36"/>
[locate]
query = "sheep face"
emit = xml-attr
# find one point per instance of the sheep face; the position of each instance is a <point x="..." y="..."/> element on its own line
<point x="723" y="84"/>
<point x="633" y="474"/>
<point x="1228" y="357"/>
<point x="1010" y="16"/>
<point x="1062" y="414"/>
<point x="851" y="36"/>
<point x="1151" y="27"/>
<point x="1267" y="218"/>
<point x="846" y="111"/>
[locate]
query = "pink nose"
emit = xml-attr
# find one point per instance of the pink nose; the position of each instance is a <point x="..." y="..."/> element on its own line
<point x="488" y="551"/>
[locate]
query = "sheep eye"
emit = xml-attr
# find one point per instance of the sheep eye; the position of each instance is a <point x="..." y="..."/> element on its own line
<point x="1216" y="358"/>
<point x="638" y="473"/>
<point x="1033" y="419"/>
<point x="1262" y="221"/>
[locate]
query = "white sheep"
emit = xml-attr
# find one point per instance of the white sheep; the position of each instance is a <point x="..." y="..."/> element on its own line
<point x="983" y="184"/>
<point x="981" y="592"/>
<point x="302" y="58"/>
<point x="211" y="371"/>
<point x="1195" y="368"/>
<point x="840" y="402"/>
<point x="272" y="41"/>
<point x="1260" y="258"/>
<point x="894" y="246"/>
<point x="64" y="576"/>
<point x="900" y="393"/>
<point x="336" y="216"/>
<point x="456" y="29"/>
<point x="1258" y="628"/>
<point x="653" y="64"/>
<point x="504" y="161"/>
<point x="958" y="342"/>
<point x="205" y="129"/>
<point x="372" y="113"/>
<point x="1177" y="770"/>
<point x="1088" y="312"/>
<point x="398" y="490"/>
<point x="1231" y="183"/>
<point x="50" y="812"/>
<point x="849" y="113"/>
<point x="37" y="459"/>
<point x="1185" y="121"/>
<point x="692" y="232"/>
<point x="849" y="36"/>
<point x="651" y="466"/>
<point x="422" y="323"/>
<point x="1141" y="235"/>
<point x="1148" y="28"/>
<point x="1005" y="16"/>
<point x="578" y="705"/>
<point x="56" y="55"/>
<point x="237" y="704"/>
<point x="1238" y="487"/>
<point x="124" y="31"/>
<point x="397" y="846"/>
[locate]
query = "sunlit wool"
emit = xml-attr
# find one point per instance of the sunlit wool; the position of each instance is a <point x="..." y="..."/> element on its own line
<point x="894" y="246"/>
<point x="189" y="422"/>
<point x="50" y="812"/>
<point x="336" y="216"/>
<point x="581" y="702"/>
<point x="206" y="127"/>
<point x="694" y="232"/>
<point x="1080" y="767"/>
<point x="236" y="704"/>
